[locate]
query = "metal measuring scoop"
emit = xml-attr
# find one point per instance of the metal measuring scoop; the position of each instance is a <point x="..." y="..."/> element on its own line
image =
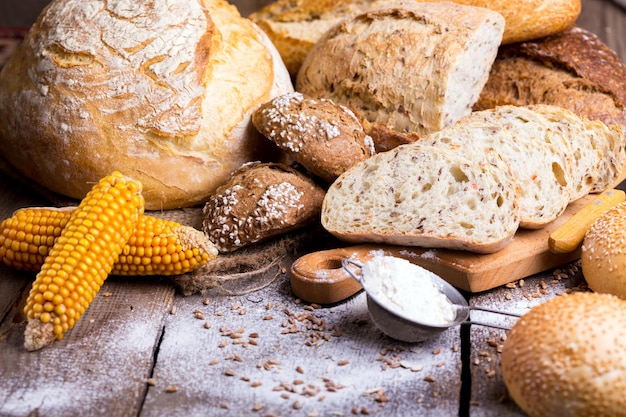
<point x="399" y="326"/>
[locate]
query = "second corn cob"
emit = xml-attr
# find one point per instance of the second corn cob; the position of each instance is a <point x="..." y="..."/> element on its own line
<point x="156" y="246"/>
<point x="81" y="258"/>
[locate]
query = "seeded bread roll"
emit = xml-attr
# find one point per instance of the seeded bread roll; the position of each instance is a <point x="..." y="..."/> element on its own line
<point x="567" y="357"/>
<point x="573" y="69"/>
<point x="258" y="202"/>
<point x="325" y="138"/>
<point x="415" y="68"/>
<point x="296" y="25"/>
<point x="419" y="195"/>
<point x="161" y="91"/>
<point x="603" y="252"/>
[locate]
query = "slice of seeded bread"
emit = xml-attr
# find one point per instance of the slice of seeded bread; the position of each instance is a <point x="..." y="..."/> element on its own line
<point x="418" y="195"/>
<point x="539" y="156"/>
<point x="598" y="149"/>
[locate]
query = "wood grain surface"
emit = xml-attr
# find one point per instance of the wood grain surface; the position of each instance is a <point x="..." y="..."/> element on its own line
<point x="143" y="349"/>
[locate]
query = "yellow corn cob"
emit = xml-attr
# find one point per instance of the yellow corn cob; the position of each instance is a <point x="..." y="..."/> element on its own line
<point x="156" y="246"/>
<point x="81" y="258"/>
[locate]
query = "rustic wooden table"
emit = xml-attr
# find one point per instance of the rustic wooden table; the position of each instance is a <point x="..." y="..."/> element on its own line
<point x="143" y="349"/>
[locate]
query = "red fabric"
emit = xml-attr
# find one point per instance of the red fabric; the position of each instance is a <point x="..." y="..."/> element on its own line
<point x="9" y="39"/>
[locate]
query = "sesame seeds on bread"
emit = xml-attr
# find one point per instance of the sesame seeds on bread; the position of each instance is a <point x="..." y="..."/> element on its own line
<point x="602" y="253"/>
<point x="567" y="357"/>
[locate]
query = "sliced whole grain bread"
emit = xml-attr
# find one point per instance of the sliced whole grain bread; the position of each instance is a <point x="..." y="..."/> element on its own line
<point x="539" y="157"/>
<point x="598" y="149"/>
<point x="419" y="195"/>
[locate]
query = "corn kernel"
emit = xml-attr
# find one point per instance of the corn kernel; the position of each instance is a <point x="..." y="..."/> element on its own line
<point x="56" y="273"/>
<point x="151" y="238"/>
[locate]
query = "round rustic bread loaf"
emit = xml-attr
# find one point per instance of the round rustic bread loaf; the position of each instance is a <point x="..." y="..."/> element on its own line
<point x="161" y="91"/>
<point x="567" y="357"/>
<point x="258" y="202"/>
<point x="324" y="137"/>
<point x="603" y="253"/>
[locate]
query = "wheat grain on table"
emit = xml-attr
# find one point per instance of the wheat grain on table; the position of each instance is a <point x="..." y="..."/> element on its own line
<point x="143" y="349"/>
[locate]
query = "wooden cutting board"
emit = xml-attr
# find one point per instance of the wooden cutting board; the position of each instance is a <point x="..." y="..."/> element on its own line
<point x="318" y="277"/>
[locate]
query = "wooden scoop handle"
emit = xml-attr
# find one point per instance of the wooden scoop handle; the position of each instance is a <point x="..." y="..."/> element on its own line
<point x="570" y="234"/>
<point x="318" y="277"/>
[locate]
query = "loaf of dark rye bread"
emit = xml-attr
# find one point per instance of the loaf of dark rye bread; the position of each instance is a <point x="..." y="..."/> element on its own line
<point x="258" y="202"/>
<point x="573" y="69"/>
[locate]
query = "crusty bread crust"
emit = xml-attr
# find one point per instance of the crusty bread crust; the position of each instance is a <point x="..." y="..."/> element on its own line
<point x="162" y="91"/>
<point x="296" y="25"/>
<point x="260" y="201"/>
<point x="324" y="137"/>
<point x="573" y="69"/>
<point x="415" y="68"/>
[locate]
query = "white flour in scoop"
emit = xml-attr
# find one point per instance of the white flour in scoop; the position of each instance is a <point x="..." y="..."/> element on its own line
<point x="408" y="289"/>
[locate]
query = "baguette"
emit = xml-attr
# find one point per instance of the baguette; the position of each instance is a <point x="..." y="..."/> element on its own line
<point x="419" y="195"/>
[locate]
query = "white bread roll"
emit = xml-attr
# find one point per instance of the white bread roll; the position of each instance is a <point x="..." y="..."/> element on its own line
<point x="414" y="68"/>
<point x="567" y="357"/>
<point x="603" y="253"/>
<point x="161" y="91"/>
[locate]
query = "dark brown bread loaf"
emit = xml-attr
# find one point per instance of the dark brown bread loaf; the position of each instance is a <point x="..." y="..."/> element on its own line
<point x="573" y="69"/>
<point x="260" y="201"/>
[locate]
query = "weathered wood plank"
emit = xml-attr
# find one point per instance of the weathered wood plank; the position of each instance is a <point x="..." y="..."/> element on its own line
<point x="99" y="368"/>
<point x="605" y="19"/>
<point x="299" y="371"/>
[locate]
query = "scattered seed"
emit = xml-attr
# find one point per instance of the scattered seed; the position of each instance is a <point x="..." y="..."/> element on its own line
<point x="429" y="378"/>
<point x="171" y="388"/>
<point x="151" y="381"/>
